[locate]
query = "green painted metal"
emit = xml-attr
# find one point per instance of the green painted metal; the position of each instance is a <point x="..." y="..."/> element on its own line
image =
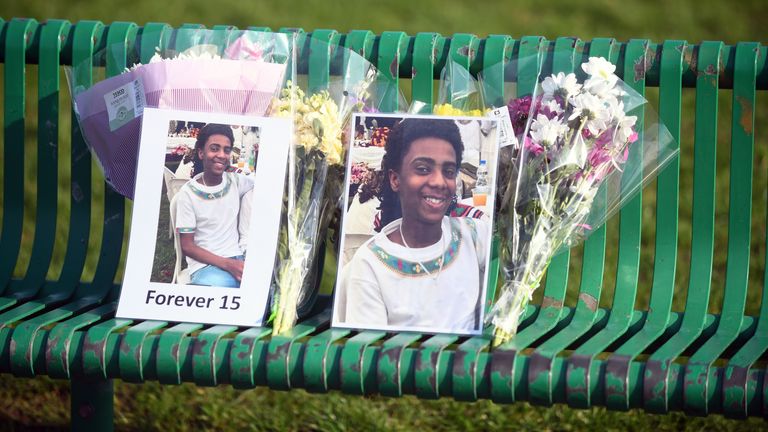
<point x="284" y="353"/>
<point x="85" y="36"/>
<point x="151" y="37"/>
<point x="122" y="35"/>
<point x="322" y="47"/>
<point x="134" y="358"/>
<point x="24" y="340"/>
<point x="356" y="373"/>
<point x="61" y="348"/>
<point x="389" y="368"/>
<point x="507" y="374"/>
<point x="581" y="384"/>
<point x="186" y="36"/>
<point x="617" y="383"/>
<point x="465" y="368"/>
<point x="699" y="368"/>
<point x="540" y="369"/>
<point x="765" y="393"/>
<point x="427" y="369"/>
<point x="739" y="374"/>
<point x="19" y="36"/>
<point x="392" y="48"/>
<point x="497" y="52"/>
<point x="171" y="348"/>
<point x="52" y="37"/>
<point x="259" y="29"/>
<point x="92" y="408"/>
<point x="247" y="359"/>
<point x="205" y="361"/>
<point x="656" y="379"/>
<point x="95" y="356"/>
<point x="462" y="50"/>
<point x="361" y="42"/>
<point x="317" y="369"/>
<point x="426" y="47"/>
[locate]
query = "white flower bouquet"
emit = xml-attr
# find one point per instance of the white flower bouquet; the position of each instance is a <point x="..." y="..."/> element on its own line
<point x="575" y="135"/>
<point x="315" y="178"/>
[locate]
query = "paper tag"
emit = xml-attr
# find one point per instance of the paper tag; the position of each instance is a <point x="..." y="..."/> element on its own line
<point x="125" y="104"/>
<point x="506" y="131"/>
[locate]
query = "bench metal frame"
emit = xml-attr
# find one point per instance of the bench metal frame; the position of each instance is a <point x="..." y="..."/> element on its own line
<point x="584" y="356"/>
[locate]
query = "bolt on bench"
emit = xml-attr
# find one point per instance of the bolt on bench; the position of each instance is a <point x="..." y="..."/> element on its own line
<point x="61" y="323"/>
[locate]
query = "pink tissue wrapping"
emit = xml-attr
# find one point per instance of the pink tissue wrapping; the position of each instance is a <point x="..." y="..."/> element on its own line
<point x="222" y="86"/>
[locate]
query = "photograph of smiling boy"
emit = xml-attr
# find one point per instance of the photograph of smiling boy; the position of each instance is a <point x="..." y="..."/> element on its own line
<point x="424" y="265"/>
<point x="203" y="207"/>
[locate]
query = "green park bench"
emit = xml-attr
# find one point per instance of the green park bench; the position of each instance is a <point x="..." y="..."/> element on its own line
<point x="62" y="325"/>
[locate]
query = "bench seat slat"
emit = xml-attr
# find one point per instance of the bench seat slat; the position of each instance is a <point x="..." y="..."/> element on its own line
<point x="135" y="352"/>
<point x="247" y="357"/>
<point x="60" y="358"/>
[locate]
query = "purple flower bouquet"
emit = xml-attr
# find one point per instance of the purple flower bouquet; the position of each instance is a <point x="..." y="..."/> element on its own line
<point x="243" y="82"/>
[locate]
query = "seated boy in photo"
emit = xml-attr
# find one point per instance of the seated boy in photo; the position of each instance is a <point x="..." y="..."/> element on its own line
<point x="207" y="209"/>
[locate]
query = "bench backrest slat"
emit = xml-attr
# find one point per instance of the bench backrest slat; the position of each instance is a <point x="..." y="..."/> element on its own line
<point x="19" y="35"/>
<point x="739" y="232"/>
<point x="656" y="384"/>
<point x="84" y="38"/>
<point x="119" y="42"/>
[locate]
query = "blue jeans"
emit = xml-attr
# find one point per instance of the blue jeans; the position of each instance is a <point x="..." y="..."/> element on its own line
<point x="214" y="276"/>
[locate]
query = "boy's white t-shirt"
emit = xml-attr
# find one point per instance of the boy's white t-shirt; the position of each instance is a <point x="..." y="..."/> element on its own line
<point x="385" y="285"/>
<point x="211" y="213"/>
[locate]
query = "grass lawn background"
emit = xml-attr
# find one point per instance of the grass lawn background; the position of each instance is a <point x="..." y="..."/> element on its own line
<point x="45" y="402"/>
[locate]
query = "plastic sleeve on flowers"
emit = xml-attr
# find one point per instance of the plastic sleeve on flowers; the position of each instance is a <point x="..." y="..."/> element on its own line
<point x="223" y="71"/>
<point x="587" y="146"/>
<point x="315" y="173"/>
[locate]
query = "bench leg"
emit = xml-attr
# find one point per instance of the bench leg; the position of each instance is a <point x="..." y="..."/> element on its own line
<point x="92" y="405"/>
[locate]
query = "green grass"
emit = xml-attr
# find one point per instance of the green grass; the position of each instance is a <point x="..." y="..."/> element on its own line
<point x="165" y="254"/>
<point x="44" y="402"/>
<point x="152" y="406"/>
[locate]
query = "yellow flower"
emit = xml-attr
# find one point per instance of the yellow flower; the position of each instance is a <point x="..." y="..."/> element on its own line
<point x="450" y="110"/>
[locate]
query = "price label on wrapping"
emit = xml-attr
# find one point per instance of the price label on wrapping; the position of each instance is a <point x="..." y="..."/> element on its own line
<point x="125" y="104"/>
<point x="506" y="131"/>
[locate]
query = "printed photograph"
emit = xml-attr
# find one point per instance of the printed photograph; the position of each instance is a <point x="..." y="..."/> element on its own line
<point x="416" y="231"/>
<point x="206" y="203"/>
<point x="208" y="187"/>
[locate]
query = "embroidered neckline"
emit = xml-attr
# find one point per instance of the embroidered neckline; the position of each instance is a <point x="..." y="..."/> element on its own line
<point x="194" y="187"/>
<point x="414" y="268"/>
